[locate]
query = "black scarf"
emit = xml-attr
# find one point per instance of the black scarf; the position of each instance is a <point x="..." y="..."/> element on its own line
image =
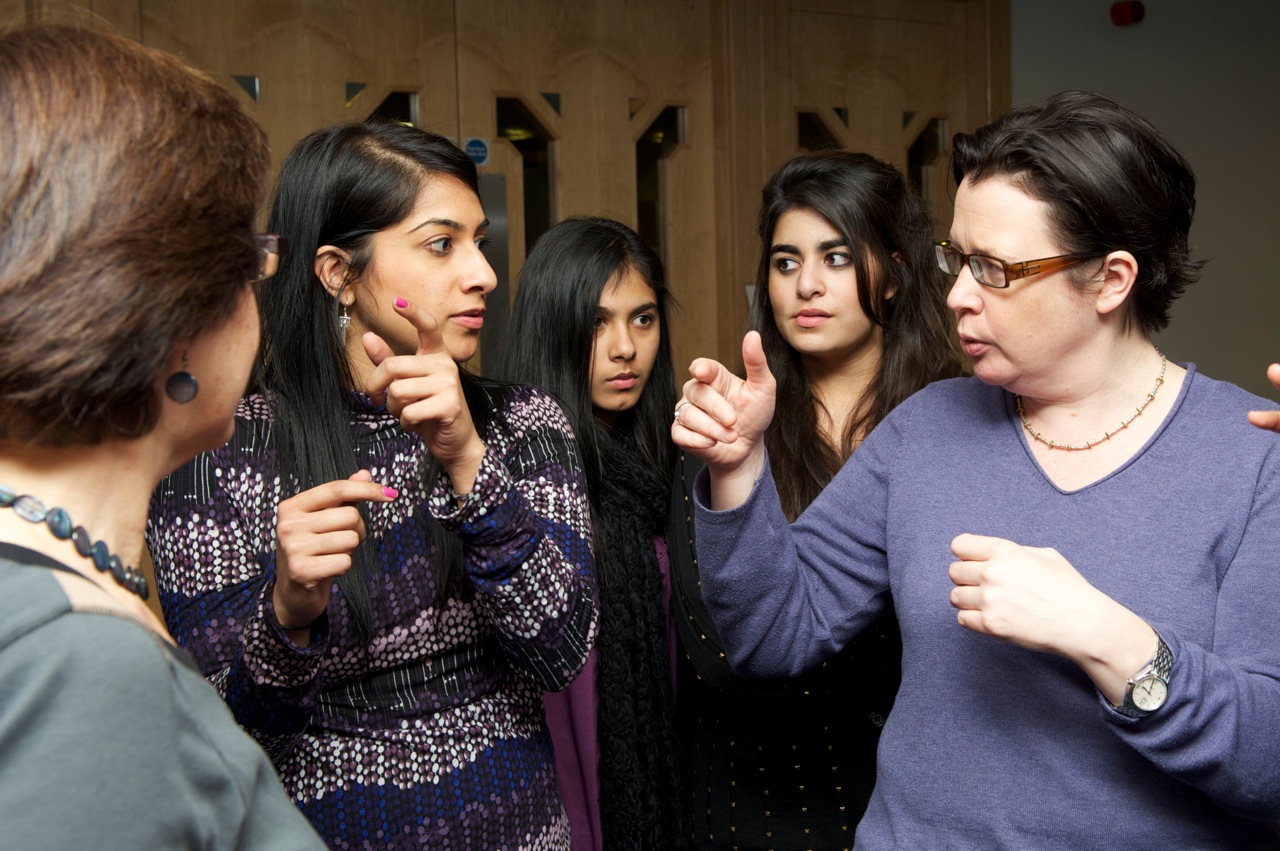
<point x="640" y="793"/>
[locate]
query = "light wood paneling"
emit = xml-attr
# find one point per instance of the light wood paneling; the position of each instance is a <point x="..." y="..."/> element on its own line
<point x="742" y="69"/>
<point x="597" y="58"/>
<point x="118" y="16"/>
<point x="304" y="54"/>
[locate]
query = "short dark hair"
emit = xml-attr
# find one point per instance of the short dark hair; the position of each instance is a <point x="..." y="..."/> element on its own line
<point x="890" y="236"/>
<point x="552" y="330"/>
<point x="128" y="189"/>
<point x="1111" y="180"/>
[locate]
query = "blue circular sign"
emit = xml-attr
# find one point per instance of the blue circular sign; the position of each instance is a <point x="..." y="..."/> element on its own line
<point x="477" y="149"/>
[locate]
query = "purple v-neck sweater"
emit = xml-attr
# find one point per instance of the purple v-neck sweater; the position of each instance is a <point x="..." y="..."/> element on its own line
<point x="993" y="746"/>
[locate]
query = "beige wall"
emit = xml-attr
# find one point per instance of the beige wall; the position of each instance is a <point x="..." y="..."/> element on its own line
<point x="1206" y="74"/>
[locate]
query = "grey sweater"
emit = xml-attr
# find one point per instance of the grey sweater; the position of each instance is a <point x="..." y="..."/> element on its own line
<point x="111" y="739"/>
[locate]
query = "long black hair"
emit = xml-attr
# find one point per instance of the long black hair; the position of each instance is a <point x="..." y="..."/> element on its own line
<point x="549" y="341"/>
<point x="339" y="186"/>
<point x="890" y="235"/>
<point x="628" y="467"/>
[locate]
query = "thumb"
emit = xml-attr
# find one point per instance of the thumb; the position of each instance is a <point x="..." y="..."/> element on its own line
<point x="1269" y="420"/>
<point x="754" y="361"/>
<point x="360" y="476"/>
<point x="970" y="547"/>
<point x="376" y="348"/>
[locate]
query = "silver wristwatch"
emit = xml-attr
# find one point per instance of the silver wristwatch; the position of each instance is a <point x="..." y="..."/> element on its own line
<point x="1148" y="689"/>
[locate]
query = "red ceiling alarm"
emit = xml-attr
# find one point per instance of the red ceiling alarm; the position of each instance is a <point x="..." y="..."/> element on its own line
<point x="1128" y="12"/>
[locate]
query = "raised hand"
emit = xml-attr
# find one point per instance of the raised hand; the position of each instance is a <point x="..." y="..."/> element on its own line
<point x="1268" y="419"/>
<point x="1035" y="598"/>
<point x="424" y="390"/>
<point x="316" y="533"/>
<point x="721" y="419"/>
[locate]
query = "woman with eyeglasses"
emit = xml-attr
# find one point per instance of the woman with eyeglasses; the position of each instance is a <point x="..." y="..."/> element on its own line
<point x="1079" y="542"/>
<point x="129" y="332"/>
<point x="390" y="560"/>
<point x="850" y="306"/>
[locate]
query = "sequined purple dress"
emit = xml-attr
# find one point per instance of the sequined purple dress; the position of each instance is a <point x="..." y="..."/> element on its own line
<point x="430" y="733"/>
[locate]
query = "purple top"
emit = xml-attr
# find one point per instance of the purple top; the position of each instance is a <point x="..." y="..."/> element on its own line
<point x="429" y="734"/>
<point x="993" y="746"/>
<point x="571" y="717"/>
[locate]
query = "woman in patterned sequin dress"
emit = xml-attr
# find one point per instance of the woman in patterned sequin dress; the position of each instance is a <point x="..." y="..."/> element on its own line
<point x="390" y="560"/>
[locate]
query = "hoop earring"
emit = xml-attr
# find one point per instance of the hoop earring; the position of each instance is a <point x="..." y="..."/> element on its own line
<point x="182" y="386"/>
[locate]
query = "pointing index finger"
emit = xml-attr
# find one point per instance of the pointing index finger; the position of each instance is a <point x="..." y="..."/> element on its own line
<point x="343" y="492"/>
<point x="430" y="340"/>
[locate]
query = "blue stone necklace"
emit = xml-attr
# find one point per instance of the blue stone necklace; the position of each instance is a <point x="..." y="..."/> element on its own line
<point x="59" y="523"/>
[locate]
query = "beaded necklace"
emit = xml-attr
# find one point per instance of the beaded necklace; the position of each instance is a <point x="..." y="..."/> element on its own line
<point x="60" y="524"/>
<point x="1106" y="435"/>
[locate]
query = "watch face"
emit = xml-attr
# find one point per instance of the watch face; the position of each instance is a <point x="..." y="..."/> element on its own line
<point x="1149" y="693"/>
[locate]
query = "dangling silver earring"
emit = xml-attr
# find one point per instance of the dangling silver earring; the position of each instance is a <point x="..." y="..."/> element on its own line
<point x="182" y="386"/>
<point x="344" y="318"/>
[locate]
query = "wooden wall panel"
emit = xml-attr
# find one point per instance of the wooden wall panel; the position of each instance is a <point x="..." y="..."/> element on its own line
<point x="755" y="132"/>
<point x="690" y="242"/>
<point x="522" y="51"/>
<point x="740" y="68"/>
<point x="875" y="58"/>
<point x="118" y="16"/>
<point x="598" y="58"/>
<point x="883" y="69"/>
<point x="660" y="55"/>
<point x="305" y="53"/>
<point x="14" y="13"/>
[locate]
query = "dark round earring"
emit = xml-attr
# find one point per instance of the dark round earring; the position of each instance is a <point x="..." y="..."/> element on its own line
<point x="182" y="386"/>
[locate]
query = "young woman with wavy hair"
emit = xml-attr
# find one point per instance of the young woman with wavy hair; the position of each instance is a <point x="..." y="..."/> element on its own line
<point x="850" y="305"/>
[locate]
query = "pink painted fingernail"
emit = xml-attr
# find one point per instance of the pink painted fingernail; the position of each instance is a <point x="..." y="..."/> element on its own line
<point x="401" y="303"/>
<point x="390" y="493"/>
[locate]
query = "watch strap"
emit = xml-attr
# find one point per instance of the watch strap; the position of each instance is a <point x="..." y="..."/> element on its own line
<point x="1162" y="662"/>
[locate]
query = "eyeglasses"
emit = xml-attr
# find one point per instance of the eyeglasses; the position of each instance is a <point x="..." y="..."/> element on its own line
<point x="270" y="249"/>
<point x="994" y="273"/>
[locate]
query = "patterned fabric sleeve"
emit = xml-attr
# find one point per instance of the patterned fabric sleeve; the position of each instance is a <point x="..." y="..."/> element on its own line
<point x="211" y="534"/>
<point x="526" y="531"/>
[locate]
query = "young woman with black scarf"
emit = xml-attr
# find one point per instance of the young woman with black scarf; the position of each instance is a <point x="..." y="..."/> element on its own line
<point x="589" y="325"/>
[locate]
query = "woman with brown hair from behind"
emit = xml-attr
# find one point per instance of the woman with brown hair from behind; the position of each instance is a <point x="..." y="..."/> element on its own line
<point x="128" y="190"/>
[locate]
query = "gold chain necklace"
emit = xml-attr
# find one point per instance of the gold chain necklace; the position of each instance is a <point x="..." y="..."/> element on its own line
<point x="1106" y="435"/>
